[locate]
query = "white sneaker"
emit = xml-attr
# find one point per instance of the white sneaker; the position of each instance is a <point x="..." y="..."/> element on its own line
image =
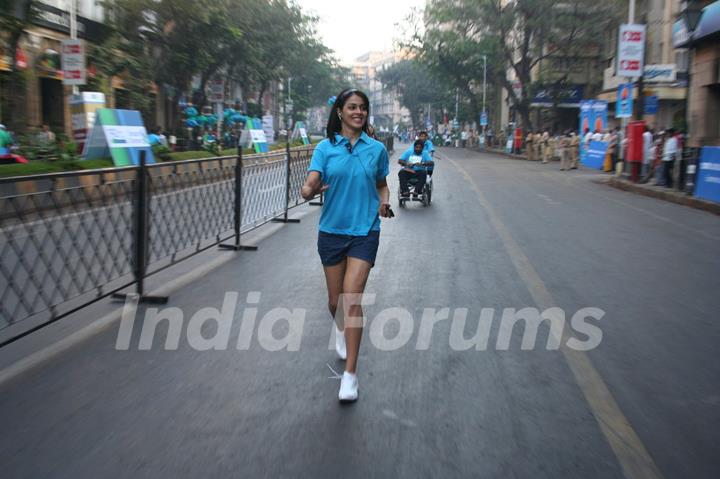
<point x="348" y="388"/>
<point x="340" y="344"/>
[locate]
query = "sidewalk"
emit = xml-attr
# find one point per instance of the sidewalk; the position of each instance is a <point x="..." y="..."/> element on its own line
<point x="662" y="193"/>
<point x="659" y="192"/>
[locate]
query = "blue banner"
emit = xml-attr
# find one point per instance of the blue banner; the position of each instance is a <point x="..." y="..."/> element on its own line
<point x="624" y="105"/>
<point x="708" y="177"/>
<point x="652" y="105"/>
<point x="595" y="155"/>
<point x="585" y="124"/>
<point x="483" y="119"/>
<point x="593" y="117"/>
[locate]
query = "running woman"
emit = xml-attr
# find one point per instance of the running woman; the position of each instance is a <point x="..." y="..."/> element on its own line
<point x="350" y="169"/>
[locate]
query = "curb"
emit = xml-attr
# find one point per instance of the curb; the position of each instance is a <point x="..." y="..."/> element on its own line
<point x="512" y="156"/>
<point x="663" y="194"/>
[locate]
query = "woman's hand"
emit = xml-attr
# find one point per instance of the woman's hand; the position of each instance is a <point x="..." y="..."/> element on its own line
<point x="385" y="211"/>
<point x="313" y="186"/>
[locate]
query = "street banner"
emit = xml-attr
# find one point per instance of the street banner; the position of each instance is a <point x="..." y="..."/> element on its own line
<point x="483" y="119"/>
<point x="652" y="105"/>
<point x="595" y="155"/>
<point x="600" y="115"/>
<point x="624" y="105"/>
<point x="72" y="62"/>
<point x="256" y="135"/>
<point x="585" y="125"/>
<point x="300" y="131"/>
<point x="593" y="117"/>
<point x="119" y="134"/>
<point x="631" y="50"/>
<point x="708" y="177"/>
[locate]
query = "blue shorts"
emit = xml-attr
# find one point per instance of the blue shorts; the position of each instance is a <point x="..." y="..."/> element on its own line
<point x="335" y="248"/>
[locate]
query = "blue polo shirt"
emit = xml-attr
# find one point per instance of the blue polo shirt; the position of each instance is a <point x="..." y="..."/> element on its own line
<point x="429" y="147"/>
<point x="424" y="158"/>
<point x="352" y="201"/>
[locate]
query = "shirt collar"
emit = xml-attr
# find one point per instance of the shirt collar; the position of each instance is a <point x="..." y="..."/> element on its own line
<point x="339" y="139"/>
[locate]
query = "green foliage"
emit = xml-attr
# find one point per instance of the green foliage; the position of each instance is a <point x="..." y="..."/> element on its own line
<point x="515" y="36"/>
<point x="417" y="87"/>
<point x="42" y="167"/>
<point x="254" y="42"/>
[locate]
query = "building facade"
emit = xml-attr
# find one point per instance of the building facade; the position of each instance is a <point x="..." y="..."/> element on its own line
<point x="665" y="76"/>
<point x="42" y="99"/>
<point x="703" y="44"/>
<point x="385" y="107"/>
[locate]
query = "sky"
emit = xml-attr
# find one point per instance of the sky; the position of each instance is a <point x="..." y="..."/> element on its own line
<point x="352" y="27"/>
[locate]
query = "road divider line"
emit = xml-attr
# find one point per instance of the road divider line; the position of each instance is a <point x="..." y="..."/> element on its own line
<point x="633" y="457"/>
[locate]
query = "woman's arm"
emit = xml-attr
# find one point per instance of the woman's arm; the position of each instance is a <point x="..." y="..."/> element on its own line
<point x="384" y="193"/>
<point x="313" y="185"/>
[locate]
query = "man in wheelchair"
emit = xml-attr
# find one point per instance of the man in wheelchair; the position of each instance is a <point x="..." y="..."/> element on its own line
<point x="414" y="161"/>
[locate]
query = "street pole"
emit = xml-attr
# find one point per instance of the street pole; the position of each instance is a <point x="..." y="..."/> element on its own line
<point x="73" y="34"/>
<point x="457" y="100"/>
<point x="484" y="89"/>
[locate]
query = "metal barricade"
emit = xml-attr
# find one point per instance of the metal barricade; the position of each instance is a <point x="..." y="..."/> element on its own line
<point x="70" y="239"/>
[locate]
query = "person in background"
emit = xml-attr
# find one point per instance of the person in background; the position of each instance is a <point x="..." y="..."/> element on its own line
<point x="6" y="140"/>
<point x="537" y="142"/>
<point x="670" y="149"/>
<point x="613" y="146"/>
<point x="574" y="150"/>
<point x="46" y="136"/>
<point x="565" y="152"/>
<point x="647" y="147"/>
<point x="161" y="136"/>
<point x="545" y="142"/>
<point x="530" y="146"/>
<point x="153" y="137"/>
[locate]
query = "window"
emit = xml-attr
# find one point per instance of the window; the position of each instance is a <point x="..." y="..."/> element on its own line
<point x="682" y="59"/>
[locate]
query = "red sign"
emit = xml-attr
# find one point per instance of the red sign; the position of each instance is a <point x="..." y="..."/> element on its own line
<point x="20" y="59"/>
<point x="632" y="36"/>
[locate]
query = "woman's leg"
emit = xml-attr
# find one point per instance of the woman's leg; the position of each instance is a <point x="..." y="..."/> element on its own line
<point x="334" y="276"/>
<point x="356" y="275"/>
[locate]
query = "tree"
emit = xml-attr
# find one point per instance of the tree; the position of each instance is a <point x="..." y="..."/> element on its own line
<point x="517" y="35"/>
<point x="158" y="42"/>
<point x="415" y="86"/>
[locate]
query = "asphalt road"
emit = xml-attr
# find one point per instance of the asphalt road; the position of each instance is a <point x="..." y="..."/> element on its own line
<point x="500" y="234"/>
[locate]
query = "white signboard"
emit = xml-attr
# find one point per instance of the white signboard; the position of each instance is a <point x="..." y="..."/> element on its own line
<point x="660" y="73"/>
<point x="517" y="89"/>
<point x="258" y="136"/>
<point x="126" y="136"/>
<point x="631" y="50"/>
<point x="217" y="91"/>
<point x="267" y="125"/>
<point x="73" y="62"/>
<point x="303" y="133"/>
